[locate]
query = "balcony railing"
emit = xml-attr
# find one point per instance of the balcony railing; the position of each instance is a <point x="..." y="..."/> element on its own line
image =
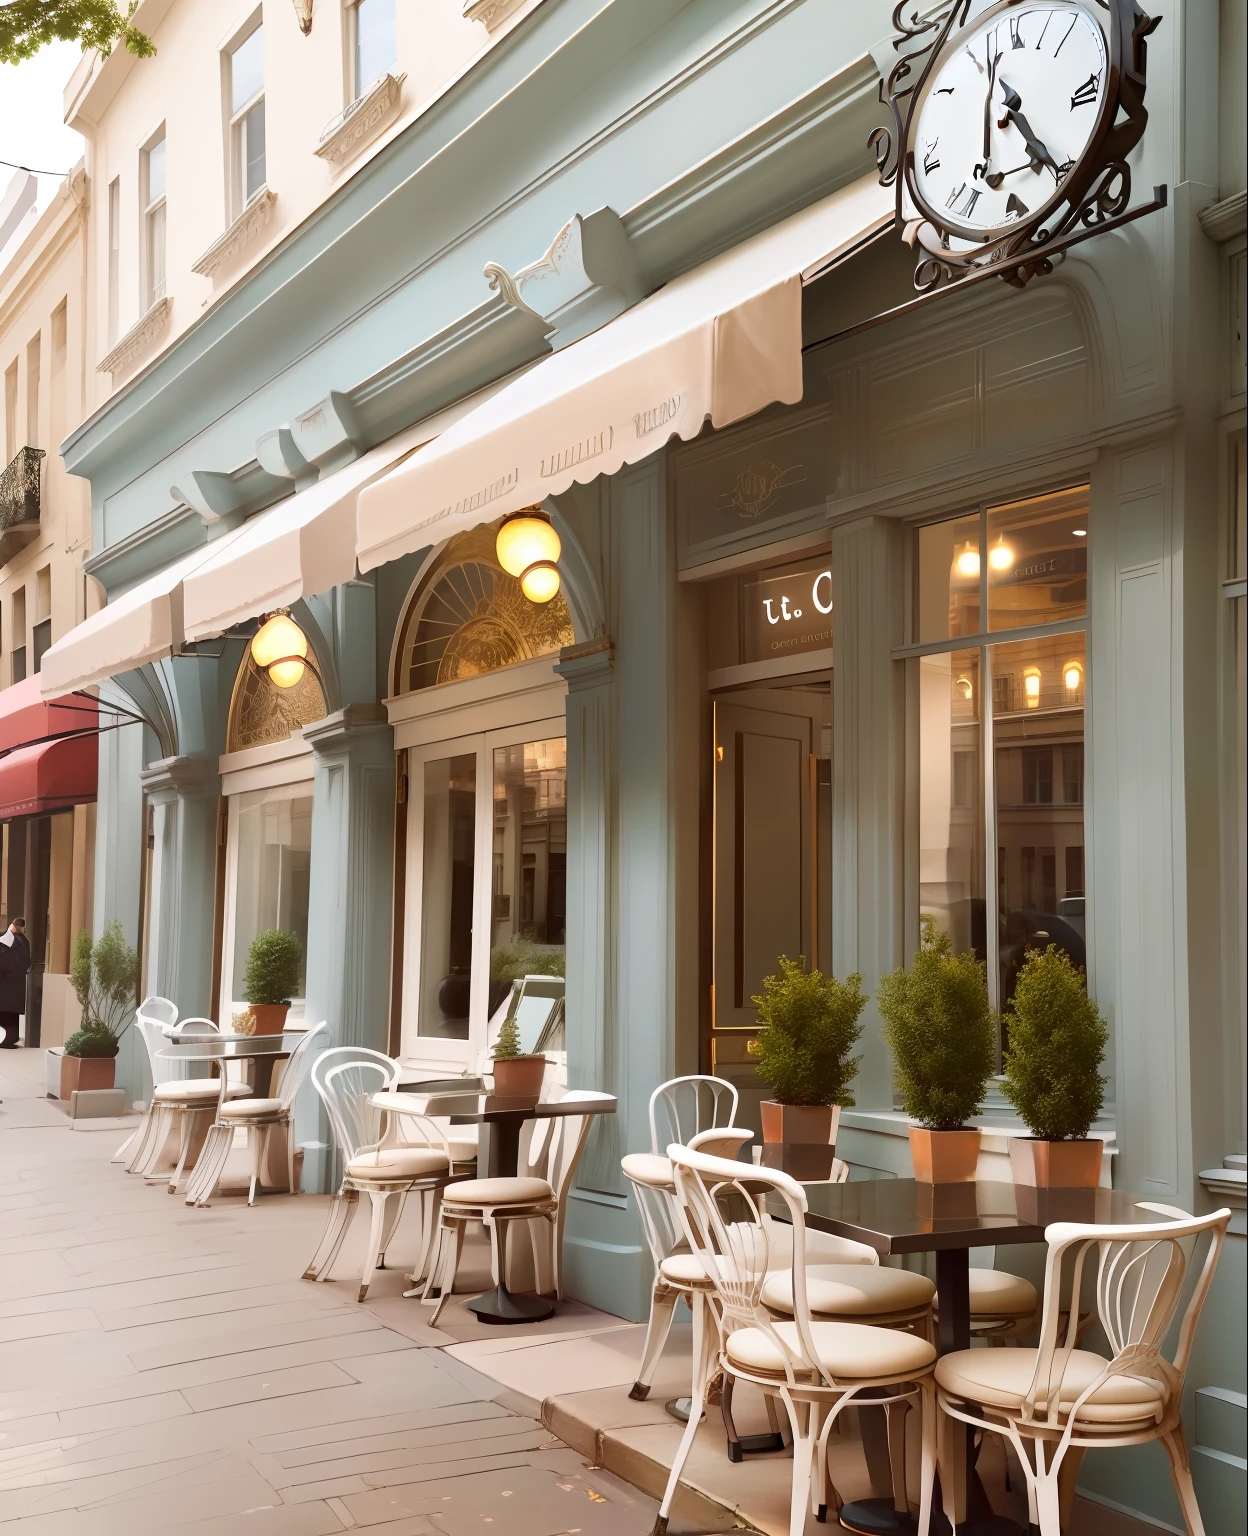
<point x="19" y="502"/>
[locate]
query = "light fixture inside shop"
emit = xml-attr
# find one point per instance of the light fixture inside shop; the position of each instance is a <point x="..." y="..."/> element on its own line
<point x="1080" y="533"/>
<point x="1072" y="676"/>
<point x="528" y="549"/>
<point x="965" y="687"/>
<point x="1031" y="686"/>
<point x="968" y="561"/>
<point x="280" y="648"/>
<point x="1001" y="556"/>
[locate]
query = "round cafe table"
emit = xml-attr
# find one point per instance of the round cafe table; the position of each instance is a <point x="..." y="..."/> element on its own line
<point x="505" y="1117"/>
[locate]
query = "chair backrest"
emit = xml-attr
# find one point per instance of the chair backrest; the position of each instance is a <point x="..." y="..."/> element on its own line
<point x="346" y="1077"/>
<point x="553" y="1145"/>
<point x="683" y="1106"/>
<point x="160" y="1009"/>
<point x="297" y="1064"/>
<point x="722" y="1208"/>
<point x="192" y="1029"/>
<point x="164" y="1069"/>
<point x="1139" y="1272"/>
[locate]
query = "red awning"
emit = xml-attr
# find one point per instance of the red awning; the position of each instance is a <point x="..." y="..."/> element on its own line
<point x="25" y="716"/>
<point x="49" y="777"/>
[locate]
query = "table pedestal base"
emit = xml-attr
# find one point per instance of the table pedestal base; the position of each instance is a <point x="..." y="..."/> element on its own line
<point x="500" y="1306"/>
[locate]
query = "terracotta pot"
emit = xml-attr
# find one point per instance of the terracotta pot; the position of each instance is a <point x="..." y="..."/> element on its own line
<point x="944" y="1157"/>
<point x="519" y="1078"/>
<point x="87" y="1072"/>
<point x="270" y="1017"/>
<point x="800" y="1124"/>
<point x="1056" y="1164"/>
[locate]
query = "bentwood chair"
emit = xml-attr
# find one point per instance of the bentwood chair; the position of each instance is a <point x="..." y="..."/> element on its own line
<point x="816" y="1369"/>
<point x="537" y="1197"/>
<point x="1056" y="1402"/>
<point x="349" y="1081"/>
<point x="259" y="1117"/>
<point x="161" y="1012"/>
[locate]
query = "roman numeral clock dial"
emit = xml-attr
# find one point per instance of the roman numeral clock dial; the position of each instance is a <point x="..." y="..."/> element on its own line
<point x="1006" y="117"/>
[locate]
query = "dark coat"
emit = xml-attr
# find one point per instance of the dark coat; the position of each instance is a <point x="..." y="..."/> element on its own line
<point x="14" y="963"/>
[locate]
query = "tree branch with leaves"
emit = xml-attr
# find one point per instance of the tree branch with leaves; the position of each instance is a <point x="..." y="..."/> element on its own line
<point x="26" y="26"/>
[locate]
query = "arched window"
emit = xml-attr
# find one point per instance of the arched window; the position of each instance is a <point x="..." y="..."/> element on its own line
<point x="260" y="712"/>
<point x="469" y="617"/>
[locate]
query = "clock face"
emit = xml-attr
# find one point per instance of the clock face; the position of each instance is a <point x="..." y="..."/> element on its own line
<point x="1008" y="116"/>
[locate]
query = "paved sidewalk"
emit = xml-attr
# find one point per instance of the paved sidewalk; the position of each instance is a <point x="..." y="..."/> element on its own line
<point x="165" y="1369"/>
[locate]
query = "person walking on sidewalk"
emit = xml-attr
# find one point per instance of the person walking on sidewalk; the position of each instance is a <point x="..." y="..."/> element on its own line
<point x="14" y="963"/>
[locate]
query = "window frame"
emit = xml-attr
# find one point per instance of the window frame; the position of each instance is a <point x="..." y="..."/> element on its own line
<point x="237" y="198"/>
<point x="150" y="208"/>
<point x="355" y="85"/>
<point x="113" y="318"/>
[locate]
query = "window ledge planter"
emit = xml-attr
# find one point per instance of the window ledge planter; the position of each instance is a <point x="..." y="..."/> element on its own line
<point x="801" y="1124"/>
<point x="1073" y="1164"/>
<point x="270" y="1017"/>
<point x="944" y="1157"/>
<point x="82" y="1072"/>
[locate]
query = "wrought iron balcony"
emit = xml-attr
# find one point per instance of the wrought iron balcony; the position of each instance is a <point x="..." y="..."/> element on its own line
<point x="19" y="502"/>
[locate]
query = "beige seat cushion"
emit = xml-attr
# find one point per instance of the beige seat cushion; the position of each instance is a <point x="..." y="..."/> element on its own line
<point x="197" y="1090"/>
<point x="498" y="1192"/>
<point x="847" y="1351"/>
<point x="647" y="1168"/>
<point x="851" y="1290"/>
<point x="462" y="1150"/>
<point x="994" y="1293"/>
<point x="247" y="1109"/>
<point x="1001" y="1378"/>
<point x="821" y="1248"/>
<point x="397" y="1163"/>
<point x="683" y="1269"/>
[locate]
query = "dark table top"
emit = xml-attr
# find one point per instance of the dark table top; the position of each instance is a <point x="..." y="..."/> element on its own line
<point x="481" y="1108"/>
<point x="904" y="1216"/>
<point x="227" y="1048"/>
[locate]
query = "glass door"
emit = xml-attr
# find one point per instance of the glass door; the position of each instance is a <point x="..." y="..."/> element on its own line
<point x="486" y="883"/>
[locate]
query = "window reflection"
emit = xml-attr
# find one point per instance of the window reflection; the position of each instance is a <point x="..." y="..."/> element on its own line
<point x="1037" y="558"/>
<point x="529" y="881"/>
<point x="273" y="861"/>
<point x="948" y="579"/>
<point x="450" y="814"/>
<point x="951" y="799"/>
<point x="1038" y="739"/>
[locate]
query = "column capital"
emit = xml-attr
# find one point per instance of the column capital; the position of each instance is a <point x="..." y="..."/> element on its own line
<point x="358" y="727"/>
<point x="192" y="778"/>
<point x="588" y="664"/>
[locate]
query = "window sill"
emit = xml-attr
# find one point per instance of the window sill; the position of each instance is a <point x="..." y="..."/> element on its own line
<point x="223" y="251"/>
<point x="136" y="340"/>
<point x="361" y="122"/>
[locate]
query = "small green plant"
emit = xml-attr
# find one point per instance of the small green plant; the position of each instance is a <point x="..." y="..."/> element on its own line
<point x="507" y="1046"/>
<point x="525" y="957"/>
<point x="810" y="1024"/>
<point x="274" y="962"/>
<point x="1057" y="1042"/>
<point x="105" y="979"/>
<point x="939" y="1025"/>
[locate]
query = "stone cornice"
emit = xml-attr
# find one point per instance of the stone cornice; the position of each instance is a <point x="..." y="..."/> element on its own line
<point x="361" y="122"/>
<point x="587" y="665"/>
<point x="137" y="339"/>
<point x="1224" y="220"/>
<point x="240" y="234"/>
<point x="356" y="727"/>
<point x="169" y="778"/>
<point x="492" y="13"/>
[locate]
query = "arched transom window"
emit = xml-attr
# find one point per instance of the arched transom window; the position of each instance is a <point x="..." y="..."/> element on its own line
<point x="260" y="712"/>
<point x="469" y="617"/>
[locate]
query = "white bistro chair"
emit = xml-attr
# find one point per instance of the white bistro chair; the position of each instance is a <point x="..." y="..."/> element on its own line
<point x="160" y="1011"/>
<point x="815" y="1369"/>
<point x="537" y="1196"/>
<point x="376" y="1163"/>
<point x="1056" y="1402"/>
<point x="259" y="1117"/>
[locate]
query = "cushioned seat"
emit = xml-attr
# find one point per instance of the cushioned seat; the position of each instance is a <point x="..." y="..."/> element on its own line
<point x="463" y="1149"/>
<point x="648" y="1168"/>
<point x="997" y="1294"/>
<point x="851" y="1290"/>
<point x="847" y="1351"/>
<point x="246" y="1109"/>
<point x="397" y="1163"/>
<point x="683" y="1269"/>
<point x="498" y="1192"/>
<point x="1001" y="1378"/>
<point x="197" y="1090"/>
<point x="821" y="1248"/>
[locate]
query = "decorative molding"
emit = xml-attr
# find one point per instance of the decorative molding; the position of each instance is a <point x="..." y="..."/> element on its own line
<point x="1224" y="220"/>
<point x="587" y="665"/>
<point x="349" y="729"/>
<point x="172" y="777"/>
<point x="491" y="13"/>
<point x="240" y="234"/>
<point x="356" y="125"/>
<point x="1229" y="1183"/>
<point x="137" y="339"/>
<point x="303" y="15"/>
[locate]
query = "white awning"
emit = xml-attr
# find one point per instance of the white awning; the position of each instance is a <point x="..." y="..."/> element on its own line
<point x="141" y="625"/>
<point x="723" y="342"/>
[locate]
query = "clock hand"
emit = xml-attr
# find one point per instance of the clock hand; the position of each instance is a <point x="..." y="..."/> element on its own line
<point x="993" y="61"/>
<point x="995" y="178"/>
<point x="1035" y="147"/>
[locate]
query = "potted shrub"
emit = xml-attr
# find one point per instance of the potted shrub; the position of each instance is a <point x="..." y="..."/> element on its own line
<point x="273" y="965"/>
<point x="105" y="979"/>
<point x="515" y="1076"/>
<point x="809" y="1025"/>
<point x="939" y="1025"/>
<point x="1057" y="1042"/>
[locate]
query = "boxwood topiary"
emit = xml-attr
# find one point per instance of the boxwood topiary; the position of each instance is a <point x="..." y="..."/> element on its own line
<point x="1057" y="1042"/>
<point x="274" y="962"/>
<point x="810" y="1023"/>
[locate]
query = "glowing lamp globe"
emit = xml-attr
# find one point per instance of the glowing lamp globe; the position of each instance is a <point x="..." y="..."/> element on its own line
<point x="540" y="581"/>
<point x="279" y="647"/>
<point x="1073" y="676"/>
<point x="968" y="562"/>
<point x="525" y="540"/>
<point x="1031" y="685"/>
<point x="1001" y="556"/>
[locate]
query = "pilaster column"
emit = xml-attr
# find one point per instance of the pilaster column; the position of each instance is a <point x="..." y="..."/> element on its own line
<point x="183" y="793"/>
<point x="868" y="755"/>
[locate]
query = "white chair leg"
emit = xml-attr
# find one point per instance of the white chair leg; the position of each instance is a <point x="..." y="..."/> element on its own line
<point x="129" y="1143"/>
<point x="376" y="1231"/>
<point x="705" y="1337"/>
<point x="147" y="1153"/>
<point x="927" y="1463"/>
<point x="288" y="1130"/>
<point x="662" y="1309"/>
<point x="430" y="1208"/>
<point x="804" y="1444"/>
<point x="350" y="1200"/>
<point x="187" y="1128"/>
<point x="1175" y="1444"/>
<point x="394" y="1213"/>
<point x="211" y="1160"/>
<point x="450" y="1267"/>
<point x="895" y="1417"/>
<point x="258" y="1136"/>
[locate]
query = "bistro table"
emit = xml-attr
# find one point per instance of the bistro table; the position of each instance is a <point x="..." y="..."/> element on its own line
<point x="262" y="1052"/>
<point x="899" y="1216"/>
<point x="504" y="1116"/>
